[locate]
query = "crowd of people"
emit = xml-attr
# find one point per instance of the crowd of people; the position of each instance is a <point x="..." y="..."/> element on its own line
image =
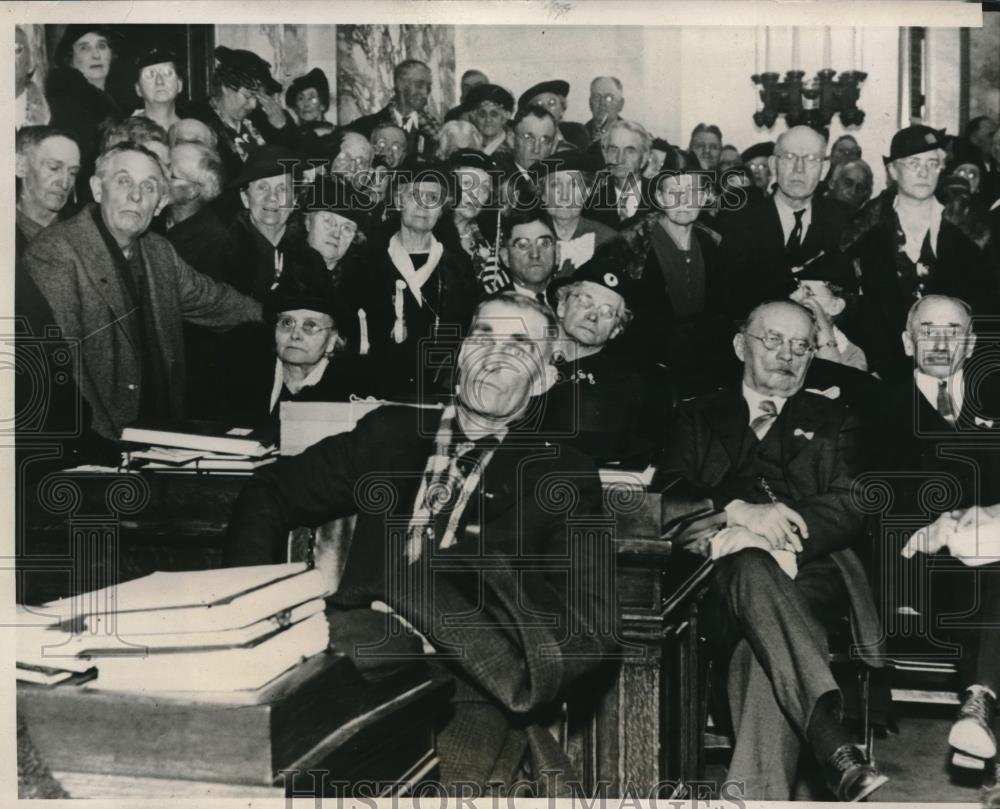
<point x="752" y="318"/>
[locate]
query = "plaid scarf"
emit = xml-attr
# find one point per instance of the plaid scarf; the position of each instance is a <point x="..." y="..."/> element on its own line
<point x="451" y="475"/>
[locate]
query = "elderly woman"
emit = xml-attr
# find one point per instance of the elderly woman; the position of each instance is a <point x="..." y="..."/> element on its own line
<point x="414" y="290"/>
<point x="564" y="180"/>
<point x="241" y="83"/>
<point x="79" y="92"/>
<point x="332" y="213"/>
<point x="455" y="135"/>
<point x="308" y="97"/>
<point x="263" y="233"/>
<point x="158" y="83"/>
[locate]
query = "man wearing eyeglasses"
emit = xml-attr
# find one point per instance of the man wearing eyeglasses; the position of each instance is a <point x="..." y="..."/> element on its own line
<point x="764" y="245"/>
<point x="780" y="462"/>
<point x="528" y="251"/>
<point x="606" y="101"/>
<point x="944" y="429"/>
<point x="903" y="249"/>
<point x="552" y="96"/>
<point x="460" y="533"/>
<point x="532" y="136"/>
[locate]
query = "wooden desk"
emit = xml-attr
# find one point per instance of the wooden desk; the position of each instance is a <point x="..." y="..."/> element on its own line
<point x="322" y="717"/>
<point x="638" y="726"/>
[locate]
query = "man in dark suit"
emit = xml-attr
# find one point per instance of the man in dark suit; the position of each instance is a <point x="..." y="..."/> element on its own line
<point x="463" y="499"/>
<point x="780" y="462"/>
<point x="945" y="426"/>
<point x="764" y="244"/>
<point x="552" y="96"/>
<point x="617" y="195"/>
<point x="124" y="293"/>
<point x="903" y="248"/>
<point x="407" y="109"/>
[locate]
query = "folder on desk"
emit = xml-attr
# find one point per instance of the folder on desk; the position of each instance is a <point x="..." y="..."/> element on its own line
<point x="209" y="436"/>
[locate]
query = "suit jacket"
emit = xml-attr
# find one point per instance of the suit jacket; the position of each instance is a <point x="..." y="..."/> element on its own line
<point x="960" y="270"/>
<point x="73" y="268"/>
<point x="575" y="134"/>
<point x="366" y="124"/>
<point x="515" y="525"/>
<point x="755" y="267"/>
<point x="602" y="203"/>
<point x="709" y="437"/>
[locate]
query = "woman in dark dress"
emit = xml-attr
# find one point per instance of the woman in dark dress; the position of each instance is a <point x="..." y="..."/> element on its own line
<point x="79" y="92"/>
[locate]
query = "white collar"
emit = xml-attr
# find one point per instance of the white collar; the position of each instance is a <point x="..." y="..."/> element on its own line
<point x="414" y="278"/>
<point x="753" y="399"/>
<point x="787" y="216"/>
<point x="407" y="122"/>
<point x="928" y="386"/>
<point x="841" y="339"/>
<point x="314" y="376"/>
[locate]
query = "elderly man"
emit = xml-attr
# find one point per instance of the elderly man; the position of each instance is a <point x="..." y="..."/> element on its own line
<point x="851" y="183"/>
<point x="764" y="245"/>
<point x="193" y="227"/>
<point x="606" y="101"/>
<point x="124" y="293"/>
<point x="779" y="463"/>
<point x="538" y="581"/>
<point x="30" y="106"/>
<point x="903" y="249"/>
<point x="552" y="96"/>
<point x="389" y="142"/>
<point x="490" y="107"/>
<point x="407" y="109"/>
<point x="354" y="158"/>
<point x="945" y="423"/>
<point x="528" y="251"/>
<point x="191" y="130"/>
<point x="617" y="196"/>
<point x="47" y="163"/>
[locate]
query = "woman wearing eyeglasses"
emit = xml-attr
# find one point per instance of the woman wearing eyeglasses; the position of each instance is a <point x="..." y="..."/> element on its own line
<point x="158" y="84"/>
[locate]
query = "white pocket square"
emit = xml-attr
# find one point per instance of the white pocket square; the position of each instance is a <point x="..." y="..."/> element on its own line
<point x="987" y="423"/>
<point x="805" y="434"/>
<point x="832" y="392"/>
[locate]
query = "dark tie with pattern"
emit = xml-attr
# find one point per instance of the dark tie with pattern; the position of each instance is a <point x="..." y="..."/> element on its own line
<point x="945" y="405"/>
<point x="794" y="243"/>
<point x="761" y="424"/>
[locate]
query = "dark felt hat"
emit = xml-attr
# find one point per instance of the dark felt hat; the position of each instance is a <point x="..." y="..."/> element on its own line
<point x="305" y="284"/>
<point x="335" y="195"/>
<point x="238" y="68"/>
<point x="556" y="86"/>
<point x="156" y="56"/>
<point x="830" y="267"/>
<point x="428" y="172"/>
<point x="964" y="151"/>
<point x="471" y="159"/>
<point x="489" y="92"/>
<point x="915" y="140"/>
<point x="316" y="79"/>
<point x="73" y="32"/>
<point x="567" y="160"/>
<point x="660" y="144"/>
<point x="605" y="270"/>
<point x="268" y="161"/>
<point x="765" y="149"/>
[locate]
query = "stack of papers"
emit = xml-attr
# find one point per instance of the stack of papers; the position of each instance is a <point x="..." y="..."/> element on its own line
<point x="208" y="630"/>
<point x="198" y="446"/>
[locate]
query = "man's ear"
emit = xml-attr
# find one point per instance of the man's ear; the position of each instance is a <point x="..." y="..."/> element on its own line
<point x="772" y="165"/>
<point x="739" y="345"/>
<point x="164" y="201"/>
<point x="180" y="85"/>
<point x="837" y="306"/>
<point x="509" y="138"/>
<point x="504" y="256"/>
<point x="908" y="346"/>
<point x="136" y="88"/>
<point x="96" y="189"/>
<point x="970" y="344"/>
<point x="21" y="166"/>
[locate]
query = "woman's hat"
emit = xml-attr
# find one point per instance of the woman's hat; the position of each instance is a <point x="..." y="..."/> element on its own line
<point x="73" y="32"/>
<point x="316" y="79"/>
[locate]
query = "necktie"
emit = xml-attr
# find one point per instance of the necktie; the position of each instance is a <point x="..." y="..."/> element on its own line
<point x="761" y="424"/>
<point x="623" y="206"/>
<point x="540" y="297"/>
<point x="794" y="243"/>
<point x="945" y="406"/>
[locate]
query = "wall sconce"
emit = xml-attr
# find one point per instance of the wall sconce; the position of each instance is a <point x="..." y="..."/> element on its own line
<point x="813" y="103"/>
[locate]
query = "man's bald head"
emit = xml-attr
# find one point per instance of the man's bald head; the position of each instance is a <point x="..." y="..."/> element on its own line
<point x="797" y="164"/>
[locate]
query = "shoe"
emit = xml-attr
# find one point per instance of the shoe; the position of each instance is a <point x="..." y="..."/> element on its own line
<point x="849" y="775"/>
<point x="972" y="732"/>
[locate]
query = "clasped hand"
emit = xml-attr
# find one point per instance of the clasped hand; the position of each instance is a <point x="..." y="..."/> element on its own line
<point x="781" y="526"/>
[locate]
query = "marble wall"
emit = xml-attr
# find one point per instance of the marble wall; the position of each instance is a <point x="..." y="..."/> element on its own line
<point x="984" y="61"/>
<point x="366" y="55"/>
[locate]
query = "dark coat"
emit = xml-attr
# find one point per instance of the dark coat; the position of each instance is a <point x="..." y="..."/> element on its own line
<point x="602" y="202"/>
<point x="709" y="438"/>
<point x="420" y="142"/>
<point x="375" y="472"/>
<point x="755" y="267"/>
<point x="73" y="268"/>
<point x="575" y="134"/>
<point x="960" y="270"/>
